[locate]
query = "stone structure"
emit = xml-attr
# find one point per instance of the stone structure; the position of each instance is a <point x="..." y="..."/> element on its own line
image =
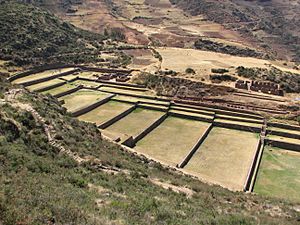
<point x="260" y="86"/>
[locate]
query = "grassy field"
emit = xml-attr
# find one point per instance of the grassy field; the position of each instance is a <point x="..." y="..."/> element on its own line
<point x="105" y="112"/>
<point x="284" y="139"/>
<point x="224" y="157"/>
<point x="279" y="174"/>
<point x="44" y="84"/>
<point x="60" y="89"/>
<point x="82" y="98"/>
<point x="44" y="74"/>
<point x="172" y="140"/>
<point x="134" y="123"/>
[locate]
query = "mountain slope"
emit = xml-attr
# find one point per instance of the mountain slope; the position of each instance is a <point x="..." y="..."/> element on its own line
<point x="41" y="185"/>
<point x="272" y="23"/>
<point x="30" y="35"/>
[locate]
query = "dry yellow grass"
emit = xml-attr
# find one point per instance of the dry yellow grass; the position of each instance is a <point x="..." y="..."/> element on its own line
<point x="224" y="157"/>
<point x="172" y="140"/>
<point x="202" y="62"/>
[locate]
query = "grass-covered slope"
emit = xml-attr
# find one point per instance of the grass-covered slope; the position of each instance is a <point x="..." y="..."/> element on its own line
<point x="38" y="185"/>
<point x="29" y="35"/>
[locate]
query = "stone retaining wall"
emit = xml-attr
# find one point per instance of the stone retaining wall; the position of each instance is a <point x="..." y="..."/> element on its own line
<point x="51" y="87"/>
<point x="59" y="95"/>
<point x="40" y="80"/>
<point x="105" y="70"/>
<point x="149" y="129"/>
<point x="153" y="108"/>
<point x="284" y="134"/>
<point x="238" y="119"/>
<point x="227" y="112"/>
<point x="195" y="148"/>
<point x="198" y="118"/>
<point x="116" y="118"/>
<point x="284" y="145"/>
<point x="255" y="163"/>
<point x="91" y="107"/>
<point x="216" y="107"/>
<point x="237" y="127"/>
<point x="284" y="126"/>
<point x="38" y="70"/>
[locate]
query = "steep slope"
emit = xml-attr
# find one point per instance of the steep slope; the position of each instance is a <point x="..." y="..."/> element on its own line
<point x="30" y="35"/>
<point x="41" y="184"/>
<point x="272" y="23"/>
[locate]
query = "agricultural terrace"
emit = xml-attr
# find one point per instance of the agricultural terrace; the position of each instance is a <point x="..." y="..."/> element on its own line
<point x="45" y="74"/>
<point x="134" y="123"/>
<point x="60" y="89"/>
<point x="177" y="134"/>
<point x="82" y="98"/>
<point x="224" y="157"/>
<point x="42" y="85"/>
<point x="172" y="140"/>
<point x="279" y="174"/>
<point x="105" y="112"/>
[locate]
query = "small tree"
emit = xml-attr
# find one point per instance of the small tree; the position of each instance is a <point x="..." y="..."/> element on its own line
<point x="190" y="71"/>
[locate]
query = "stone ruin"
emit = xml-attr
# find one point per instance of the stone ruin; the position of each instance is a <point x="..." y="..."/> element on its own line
<point x="260" y="86"/>
<point x="120" y="77"/>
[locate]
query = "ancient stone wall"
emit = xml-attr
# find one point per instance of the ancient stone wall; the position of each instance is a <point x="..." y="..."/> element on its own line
<point x="283" y="145"/>
<point x="116" y="118"/>
<point x="68" y="92"/>
<point x="51" y="87"/>
<point x="237" y="127"/>
<point x="150" y="128"/>
<point x="91" y="107"/>
<point x="195" y="147"/>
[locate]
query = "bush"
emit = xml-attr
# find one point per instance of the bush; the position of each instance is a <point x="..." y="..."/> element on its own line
<point x="219" y="71"/>
<point x="190" y="71"/>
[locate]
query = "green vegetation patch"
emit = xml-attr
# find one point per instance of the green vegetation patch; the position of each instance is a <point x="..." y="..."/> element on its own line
<point x="31" y="35"/>
<point x="171" y="141"/>
<point x="279" y="174"/>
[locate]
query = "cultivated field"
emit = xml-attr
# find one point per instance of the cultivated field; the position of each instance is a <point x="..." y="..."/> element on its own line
<point x="224" y="157"/>
<point x="60" y="89"/>
<point x="279" y="174"/>
<point x="44" y="84"/>
<point x="172" y="140"/>
<point x="82" y="98"/>
<point x="47" y="73"/>
<point x="105" y="112"/>
<point x="134" y="123"/>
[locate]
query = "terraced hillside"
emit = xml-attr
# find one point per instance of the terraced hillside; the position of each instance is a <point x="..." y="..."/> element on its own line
<point x="202" y="140"/>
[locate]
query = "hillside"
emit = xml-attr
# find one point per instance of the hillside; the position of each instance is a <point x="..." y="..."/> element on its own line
<point x="109" y="186"/>
<point x="31" y="36"/>
<point x="57" y="169"/>
<point x="273" y="24"/>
